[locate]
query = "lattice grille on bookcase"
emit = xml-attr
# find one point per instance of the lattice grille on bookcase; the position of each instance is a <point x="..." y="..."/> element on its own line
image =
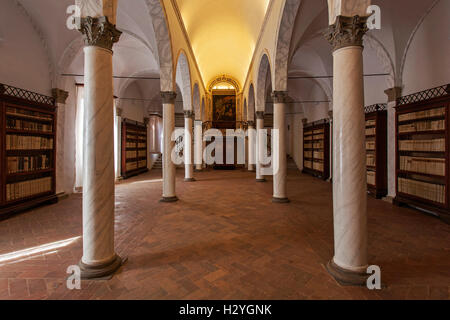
<point x="375" y="107"/>
<point x="425" y="95"/>
<point x="25" y="94"/>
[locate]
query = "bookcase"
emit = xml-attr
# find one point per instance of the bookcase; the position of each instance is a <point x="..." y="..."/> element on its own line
<point x="316" y="149"/>
<point x="422" y="157"/>
<point x="27" y="150"/>
<point x="376" y="150"/>
<point x="134" y="148"/>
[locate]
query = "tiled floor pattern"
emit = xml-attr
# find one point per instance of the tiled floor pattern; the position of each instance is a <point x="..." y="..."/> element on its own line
<point x="223" y="240"/>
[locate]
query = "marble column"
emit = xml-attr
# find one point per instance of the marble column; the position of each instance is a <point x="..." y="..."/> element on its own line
<point x="99" y="258"/>
<point x="198" y="145"/>
<point x="169" y="169"/>
<point x="60" y="99"/>
<point x="119" y="143"/>
<point x="330" y="150"/>
<point x="259" y="145"/>
<point x="188" y="163"/>
<point x="251" y="146"/>
<point x="349" y="264"/>
<point x="279" y="159"/>
<point x="393" y="94"/>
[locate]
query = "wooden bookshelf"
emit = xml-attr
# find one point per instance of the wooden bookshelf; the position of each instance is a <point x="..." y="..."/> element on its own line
<point x="27" y="150"/>
<point x="316" y="149"/>
<point x="134" y="148"/>
<point x="376" y="150"/>
<point x="422" y="151"/>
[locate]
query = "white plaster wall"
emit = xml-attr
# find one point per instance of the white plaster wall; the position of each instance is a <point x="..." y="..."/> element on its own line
<point x="133" y="109"/>
<point x="24" y="62"/>
<point x="297" y="143"/>
<point x="427" y="63"/>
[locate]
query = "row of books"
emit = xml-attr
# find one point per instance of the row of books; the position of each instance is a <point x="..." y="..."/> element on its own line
<point x="433" y="145"/>
<point x="370" y="144"/>
<point x="422" y="126"/>
<point x="19" y="190"/>
<point x="308" y="164"/>
<point x="437" y="112"/>
<point x="27" y="113"/>
<point x="371" y="123"/>
<point x="315" y="137"/>
<point x="308" y="154"/>
<point x="435" y="166"/>
<point x="132" y="166"/>
<point x="28" y="125"/>
<point x="371" y="160"/>
<point x="26" y="164"/>
<point x="142" y="144"/>
<point x="318" y="166"/>
<point x="142" y="164"/>
<point x="318" y="155"/>
<point x="429" y="191"/>
<point x="16" y="142"/>
<point x="371" y="176"/>
<point x="370" y="131"/>
<point x="131" y="154"/>
<point x="142" y="153"/>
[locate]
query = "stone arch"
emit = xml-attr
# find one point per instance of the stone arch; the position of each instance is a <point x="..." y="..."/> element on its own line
<point x="196" y="101"/>
<point x="251" y="103"/>
<point x="164" y="45"/>
<point x="284" y="36"/>
<point x="183" y="79"/>
<point x="263" y="72"/>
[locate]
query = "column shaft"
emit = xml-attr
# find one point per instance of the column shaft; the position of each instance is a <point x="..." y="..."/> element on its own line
<point x="259" y="145"/>
<point x="169" y="170"/>
<point x="188" y="163"/>
<point x="279" y="159"/>
<point x="98" y="179"/>
<point x="349" y="263"/>
<point x="198" y="145"/>
<point x="251" y="147"/>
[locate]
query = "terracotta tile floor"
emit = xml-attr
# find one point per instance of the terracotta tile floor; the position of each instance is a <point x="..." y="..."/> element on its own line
<point x="224" y="240"/>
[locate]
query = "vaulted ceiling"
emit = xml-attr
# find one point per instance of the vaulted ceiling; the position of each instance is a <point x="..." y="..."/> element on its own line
<point x="223" y="34"/>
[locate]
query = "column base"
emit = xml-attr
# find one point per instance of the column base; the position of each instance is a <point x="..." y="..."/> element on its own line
<point x="101" y="272"/>
<point x="261" y="180"/>
<point x="169" y="199"/>
<point x="345" y="277"/>
<point x="280" y="200"/>
<point x="189" y="180"/>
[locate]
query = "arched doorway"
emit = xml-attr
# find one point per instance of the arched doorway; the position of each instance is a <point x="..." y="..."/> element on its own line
<point x="224" y="91"/>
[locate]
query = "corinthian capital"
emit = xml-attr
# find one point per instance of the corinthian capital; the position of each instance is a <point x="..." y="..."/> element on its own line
<point x="347" y="31"/>
<point x="99" y="32"/>
<point x="168" y="97"/>
<point x="279" y="96"/>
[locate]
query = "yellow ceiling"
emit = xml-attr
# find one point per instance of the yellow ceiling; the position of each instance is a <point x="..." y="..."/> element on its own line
<point x="223" y="34"/>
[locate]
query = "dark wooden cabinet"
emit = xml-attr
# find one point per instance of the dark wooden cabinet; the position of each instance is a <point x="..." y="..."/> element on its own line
<point x="316" y="149"/>
<point x="376" y="150"/>
<point x="27" y="150"/>
<point x="134" y="148"/>
<point x="422" y="151"/>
